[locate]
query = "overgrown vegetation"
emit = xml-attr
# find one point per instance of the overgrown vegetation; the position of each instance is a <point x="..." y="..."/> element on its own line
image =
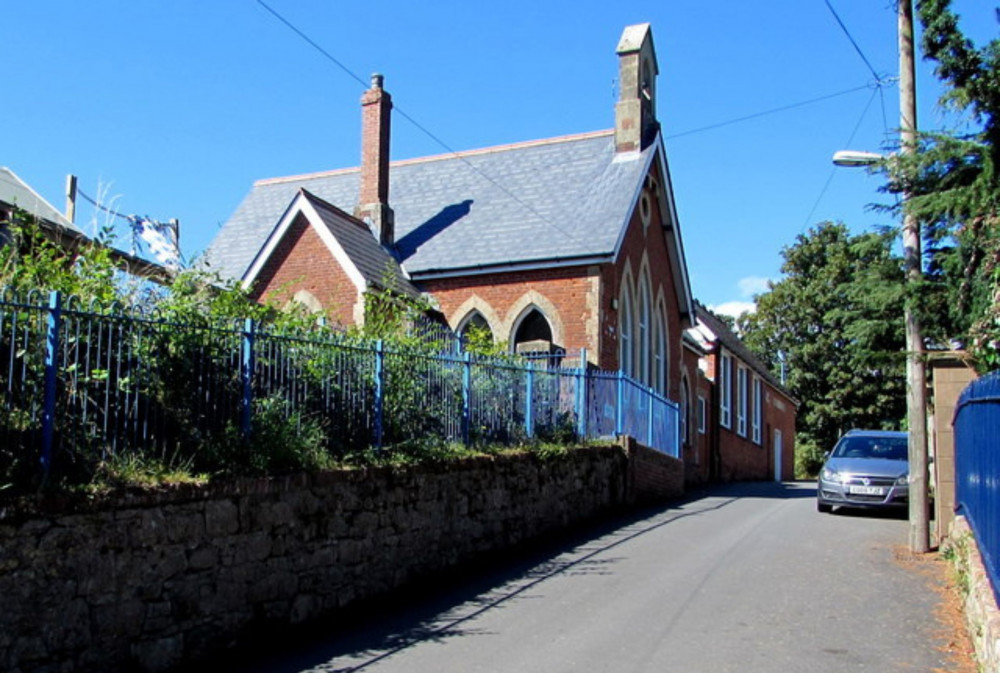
<point x="167" y="359"/>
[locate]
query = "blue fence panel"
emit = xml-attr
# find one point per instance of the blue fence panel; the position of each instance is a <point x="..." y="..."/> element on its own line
<point x="423" y="397"/>
<point x="602" y="405"/>
<point x="81" y="385"/>
<point x="498" y="402"/>
<point x="320" y="383"/>
<point x="545" y="397"/>
<point x="133" y="382"/>
<point x="22" y="382"/>
<point x="666" y="433"/>
<point x="977" y="467"/>
<point x="636" y="404"/>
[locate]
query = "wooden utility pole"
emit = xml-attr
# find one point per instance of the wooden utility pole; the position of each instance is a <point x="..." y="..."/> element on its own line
<point x="916" y="374"/>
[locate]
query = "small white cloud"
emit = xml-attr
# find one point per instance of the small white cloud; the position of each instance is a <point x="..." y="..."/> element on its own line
<point x="734" y="308"/>
<point x="752" y="285"/>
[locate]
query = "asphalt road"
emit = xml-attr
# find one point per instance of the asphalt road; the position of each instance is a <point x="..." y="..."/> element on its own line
<point x="746" y="578"/>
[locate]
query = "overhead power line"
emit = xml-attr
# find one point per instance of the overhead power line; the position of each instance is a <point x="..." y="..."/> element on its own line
<point x="878" y="84"/>
<point x="853" y="41"/>
<point x="315" y="46"/>
<point x="763" y="113"/>
<point x="833" y="170"/>
<point x="568" y="234"/>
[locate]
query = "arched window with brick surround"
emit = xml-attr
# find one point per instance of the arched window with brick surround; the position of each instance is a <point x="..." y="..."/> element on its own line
<point x="644" y="323"/>
<point x="532" y="333"/>
<point x="626" y="333"/>
<point x="659" y="359"/>
<point x="475" y="322"/>
<point x="685" y="412"/>
<point x="306" y="299"/>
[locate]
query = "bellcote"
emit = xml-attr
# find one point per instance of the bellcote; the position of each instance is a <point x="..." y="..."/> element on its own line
<point x="635" y="111"/>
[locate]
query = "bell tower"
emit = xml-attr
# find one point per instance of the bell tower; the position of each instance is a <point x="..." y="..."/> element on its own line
<point x="635" y="111"/>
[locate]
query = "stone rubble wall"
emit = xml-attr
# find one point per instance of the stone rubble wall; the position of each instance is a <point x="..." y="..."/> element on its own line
<point x="982" y="616"/>
<point x="149" y="581"/>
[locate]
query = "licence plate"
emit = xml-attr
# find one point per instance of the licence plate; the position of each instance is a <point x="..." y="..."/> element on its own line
<point x="866" y="490"/>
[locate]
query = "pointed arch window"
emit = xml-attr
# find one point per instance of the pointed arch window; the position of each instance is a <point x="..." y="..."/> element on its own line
<point x="626" y="345"/>
<point x="306" y="299"/>
<point x="476" y="323"/>
<point x="645" y="320"/>
<point x="533" y="330"/>
<point x="659" y="361"/>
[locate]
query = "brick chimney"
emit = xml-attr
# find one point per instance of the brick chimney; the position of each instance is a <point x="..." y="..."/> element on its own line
<point x="635" y="111"/>
<point x="373" y="196"/>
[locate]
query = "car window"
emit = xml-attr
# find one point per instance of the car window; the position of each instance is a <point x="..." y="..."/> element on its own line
<point x="889" y="448"/>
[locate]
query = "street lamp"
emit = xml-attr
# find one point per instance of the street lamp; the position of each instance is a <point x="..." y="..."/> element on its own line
<point x="854" y="159"/>
<point x="916" y="374"/>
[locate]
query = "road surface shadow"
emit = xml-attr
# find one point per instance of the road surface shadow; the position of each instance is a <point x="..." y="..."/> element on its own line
<point x="756" y="489"/>
<point x="442" y="606"/>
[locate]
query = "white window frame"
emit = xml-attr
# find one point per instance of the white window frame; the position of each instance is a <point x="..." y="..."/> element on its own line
<point x="725" y="390"/>
<point x="742" y="398"/>
<point x="702" y="415"/>
<point x="758" y="410"/>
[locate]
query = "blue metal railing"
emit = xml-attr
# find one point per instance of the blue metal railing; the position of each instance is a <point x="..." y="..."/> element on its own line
<point x="82" y="383"/>
<point x="977" y="467"/>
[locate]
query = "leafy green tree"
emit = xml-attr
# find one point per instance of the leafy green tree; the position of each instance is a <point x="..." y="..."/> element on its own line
<point x="835" y="319"/>
<point x="953" y="188"/>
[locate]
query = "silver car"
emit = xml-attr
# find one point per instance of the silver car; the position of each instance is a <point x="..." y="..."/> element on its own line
<point x="867" y="468"/>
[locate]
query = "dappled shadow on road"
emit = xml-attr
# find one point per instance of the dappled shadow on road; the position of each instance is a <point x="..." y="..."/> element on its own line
<point x="445" y="606"/>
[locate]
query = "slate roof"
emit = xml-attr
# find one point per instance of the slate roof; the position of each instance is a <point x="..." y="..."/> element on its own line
<point x="371" y="259"/>
<point x="555" y="199"/>
<point x="16" y="192"/>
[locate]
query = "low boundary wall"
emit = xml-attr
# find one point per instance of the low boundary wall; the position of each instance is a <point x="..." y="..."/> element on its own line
<point x="982" y="615"/>
<point x="148" y="581"/>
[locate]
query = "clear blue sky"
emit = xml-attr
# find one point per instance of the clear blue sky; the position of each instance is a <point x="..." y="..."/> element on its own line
<point x="175" y="108"/>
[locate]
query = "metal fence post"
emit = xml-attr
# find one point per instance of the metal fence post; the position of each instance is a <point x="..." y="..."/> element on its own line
<point x="529" y="401"/>
<point x="379" y="392"/>
<point x="649" y="420"/>
<point x="247" y="366"/>
<point x="51" y="379"/>
<point x="677" y="431"/>
<point x="581" y="396"/>
<point x="620" y="404"/>
<point x="466" y="397"/>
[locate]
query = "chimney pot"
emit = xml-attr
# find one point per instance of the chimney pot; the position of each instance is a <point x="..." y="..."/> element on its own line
<point x="373" y="195"/>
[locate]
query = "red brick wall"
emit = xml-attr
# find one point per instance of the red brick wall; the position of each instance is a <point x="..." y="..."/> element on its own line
<point x="570" y="290"/>
<point x="741" y="458"/>
<point x="302" y="261"/>
<point x="589" y="315"/>
<point x="652" y="476"/>
<point x="779" y="414"/>
<point x="652" y="242"/>
<point x="696" y="453"/>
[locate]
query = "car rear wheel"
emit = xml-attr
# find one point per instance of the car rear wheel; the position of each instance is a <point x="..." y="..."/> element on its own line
<point x="823" y="507"/>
